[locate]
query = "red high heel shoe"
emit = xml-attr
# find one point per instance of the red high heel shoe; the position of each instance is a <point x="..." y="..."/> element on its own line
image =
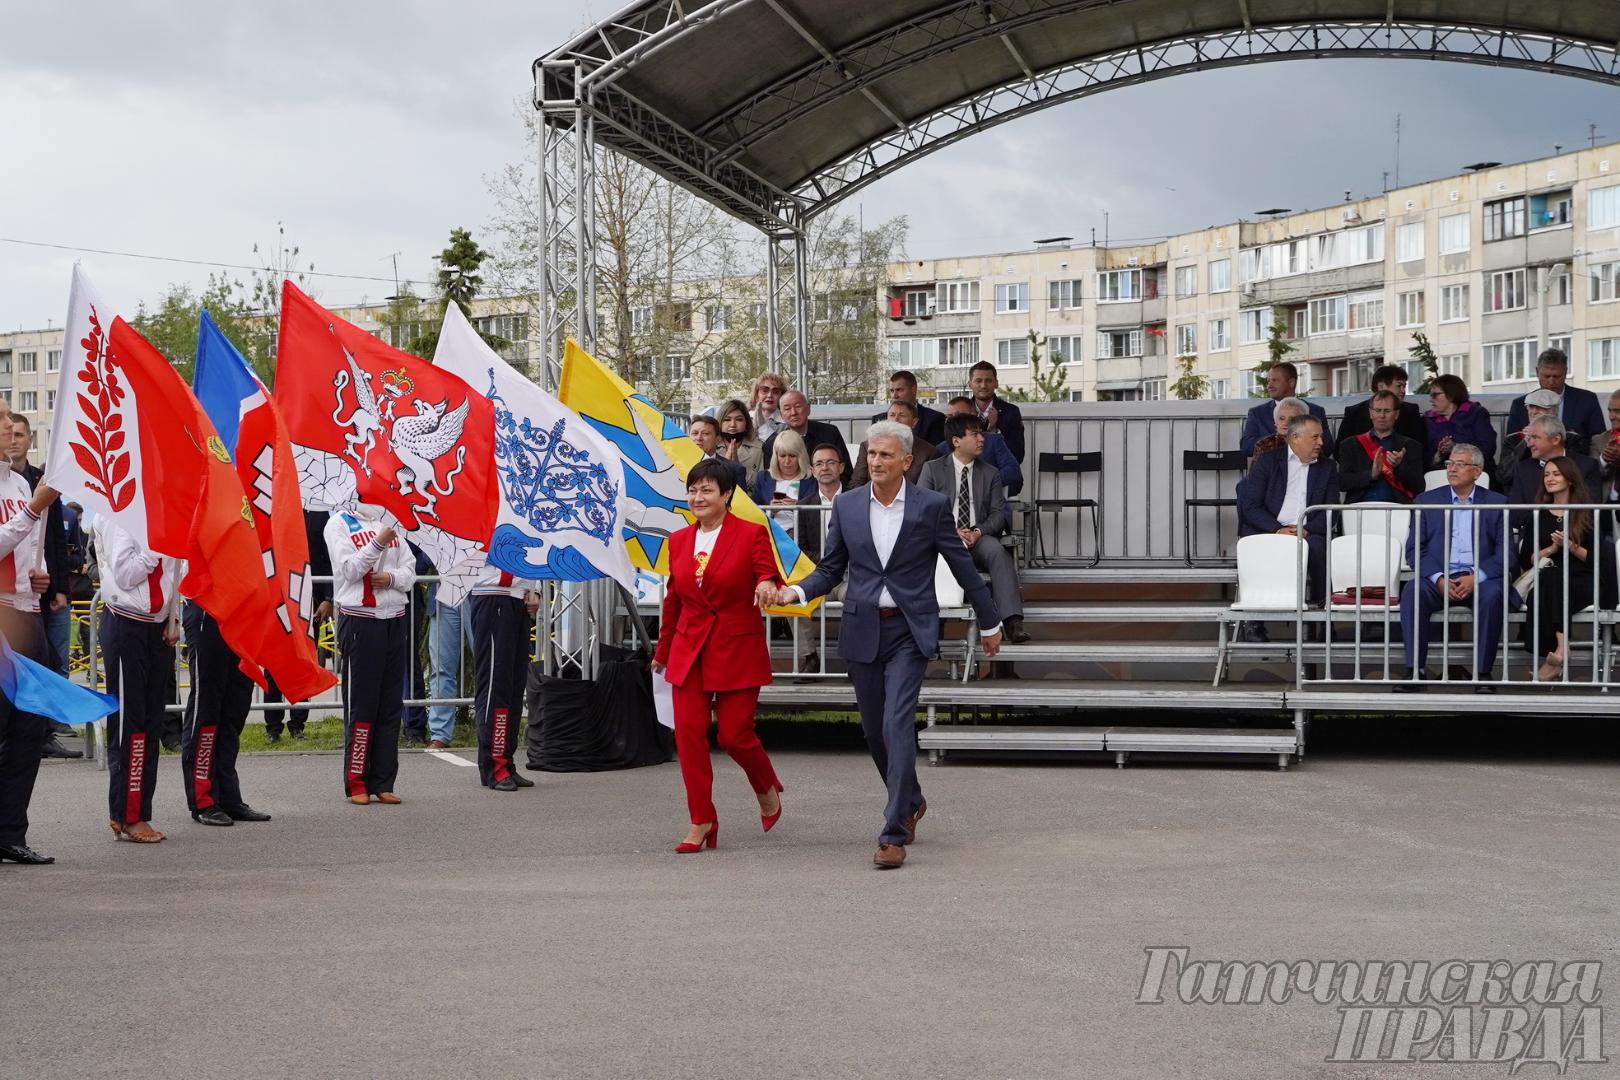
<point x="766" y="823"/>
<point x="710" y="840"/>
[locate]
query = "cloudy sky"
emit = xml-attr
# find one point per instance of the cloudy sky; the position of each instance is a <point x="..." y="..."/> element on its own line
<point x="189" y="130"/>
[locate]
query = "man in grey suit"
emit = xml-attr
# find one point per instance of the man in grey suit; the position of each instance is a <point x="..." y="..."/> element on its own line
<point x="887" y="536"/>
<point x="979" y="511"/>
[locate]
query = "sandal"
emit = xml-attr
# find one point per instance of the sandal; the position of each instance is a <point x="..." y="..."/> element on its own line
<point x="147" y="835"/>
<point x="1550" y="668"/>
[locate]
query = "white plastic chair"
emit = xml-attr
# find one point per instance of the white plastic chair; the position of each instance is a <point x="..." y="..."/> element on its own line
<point x="1389" y="519"/>
<point x="1268" y="575"/>
<point x="947" y="590"/>
<point x="1368" y="561"/>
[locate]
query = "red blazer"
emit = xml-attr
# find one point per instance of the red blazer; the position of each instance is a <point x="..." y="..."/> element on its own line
<point x="718" y="619"/>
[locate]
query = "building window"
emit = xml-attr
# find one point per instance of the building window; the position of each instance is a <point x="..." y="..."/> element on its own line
<point x="1504" y="219"/>
<point x="1409" y="242"/>
<point x="1450" y="364"/>
<point x="50" y="402"/>
<point x="956" y="297"/>
<point x="1299" y="324"/>
<point x="640" y="320"/>
<point x="1251" y="265"/>
<point x="1186" y="280"/>
<point x="1220" y="335"/>
<point x="1327" y="315"/>
<point x="53" y="360"/>
<point x="1153" y="389"/>
<point x="1551" y="210"/>
<point x="1603" y="207"/>
<point x="1561" y="342"/>
<point x="1603" y="357"/>
<point x="1064" y="349"/>
<point x="908" y="353"/>
<point x="1510" y="361"/>
<point x="958" y="351"/>
<point x="675" y="368"/>
<point x="28" y="362"/>
<point x="1365" y="245"/>
<point x="1454" y="234"/>
<point x="1012" y="352"/>
<point x="1504" y="291"/>
<point x="1409" y="308"/>
<point x="918" y="303"/>
<point x="1220" y="276"/>
<point x="1602" y="286"/>
<point x="1115" y="285"/>
<point x="1186" y="339"/>
<point x="1220" y="389"/>
<point x="1252" y="326"/>
<point x="1453" y="303"/>
<point x="1559" y="290"/>
<point x="718" y="318"/>
<point x="1012" y="298"/>
<point x="1367" y="311"/>
<point x="27" y="400"/>
<point x="1063" y="295"/>
<point x="5" y="363"/>
<point x="1119" y="343"/>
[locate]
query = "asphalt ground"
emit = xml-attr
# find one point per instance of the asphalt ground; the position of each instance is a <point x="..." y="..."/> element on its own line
<point x="552" y="933"/>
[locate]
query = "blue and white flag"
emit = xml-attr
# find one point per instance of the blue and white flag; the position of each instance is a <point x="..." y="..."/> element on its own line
<point x="561" y="513"/>
<point x="35" y="688"/>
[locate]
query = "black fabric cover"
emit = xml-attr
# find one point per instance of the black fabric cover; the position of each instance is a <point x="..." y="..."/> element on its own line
<point x="579" y="725"/>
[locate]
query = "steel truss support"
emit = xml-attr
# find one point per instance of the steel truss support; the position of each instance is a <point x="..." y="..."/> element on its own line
<point x="566" y="197"/>
<point x="787" y="313"/>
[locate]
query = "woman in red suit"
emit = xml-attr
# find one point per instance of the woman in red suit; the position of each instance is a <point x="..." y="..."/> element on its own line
<point x="711" y="646"/>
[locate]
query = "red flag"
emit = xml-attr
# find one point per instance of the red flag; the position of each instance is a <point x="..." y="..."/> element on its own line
<point x="196" y="510"/>
<point x="383" y="426"/>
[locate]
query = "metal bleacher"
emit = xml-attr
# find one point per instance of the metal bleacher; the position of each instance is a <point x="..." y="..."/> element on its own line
<point x="1125" y="653"/>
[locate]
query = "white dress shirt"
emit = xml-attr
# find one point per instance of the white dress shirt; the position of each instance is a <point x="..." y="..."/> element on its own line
<point x="1293" y="504"/>
<point x="885" y="522"/>
<point x="956" y="491"/>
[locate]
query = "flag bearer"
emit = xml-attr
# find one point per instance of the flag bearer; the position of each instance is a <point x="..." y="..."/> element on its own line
<point x="139" y="627"/>
<point x="216" y="713"/>
<point x="373" y="571"/>
<point x="502" y="618"/>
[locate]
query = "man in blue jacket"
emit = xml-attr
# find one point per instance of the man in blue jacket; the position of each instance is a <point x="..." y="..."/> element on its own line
<point x="1464" y="557"/>
<point x="1579" y="409"/>
<point x="1281" y="382"/>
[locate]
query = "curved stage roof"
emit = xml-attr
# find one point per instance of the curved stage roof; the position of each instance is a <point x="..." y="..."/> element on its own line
<point x="775" y="109"/>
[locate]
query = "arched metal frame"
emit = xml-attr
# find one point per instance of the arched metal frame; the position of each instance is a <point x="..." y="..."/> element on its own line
<point x="579" y="92"/>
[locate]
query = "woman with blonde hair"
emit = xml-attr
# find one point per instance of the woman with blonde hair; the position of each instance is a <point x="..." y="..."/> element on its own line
<point x="738" y="442"/>
<point x="786" y="477"/>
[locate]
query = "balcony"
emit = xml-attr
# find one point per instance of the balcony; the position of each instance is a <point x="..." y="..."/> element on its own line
<point x="936" y="325"/>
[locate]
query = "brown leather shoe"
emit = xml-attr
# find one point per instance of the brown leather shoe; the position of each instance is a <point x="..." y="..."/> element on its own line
<point x="911" y="822"/>
<point x="360" y="800"/>
<point x="889" y="857"/>
<point x="438" y="744"/>
<point x="389" y="797"/>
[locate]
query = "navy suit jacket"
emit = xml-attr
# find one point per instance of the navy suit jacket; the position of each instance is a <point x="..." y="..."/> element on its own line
<point x="1489" y="555"/>
<point x="1582" y="412"/>
<point x="926" y="533"/>
<point x="1261" y="493"/>
<point x="930" y="424"/>
<point x="1259" y="423"/>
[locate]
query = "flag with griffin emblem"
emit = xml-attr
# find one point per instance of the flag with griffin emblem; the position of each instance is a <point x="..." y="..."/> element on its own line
<point x="134" y="443"/>
<point x="657" y="453"/>
<point x="252" y="432"/>
<point x="562" y="485"/>
<point x="370" y="424"/>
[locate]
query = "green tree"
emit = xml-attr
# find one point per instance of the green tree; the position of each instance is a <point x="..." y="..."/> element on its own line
<point x="1049" y="385"/>
<point x="458" y="283"/>
<point x="171" y="324"/>
<point x="1422" y="350"/>
<point x="1277" y="349"/>
<point x="1190" y="386"/>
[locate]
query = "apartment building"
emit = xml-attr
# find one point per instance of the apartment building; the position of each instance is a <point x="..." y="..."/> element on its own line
<point x="30" y="363"/>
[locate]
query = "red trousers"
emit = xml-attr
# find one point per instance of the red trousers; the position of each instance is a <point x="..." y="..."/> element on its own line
<point x="734" y="710"/>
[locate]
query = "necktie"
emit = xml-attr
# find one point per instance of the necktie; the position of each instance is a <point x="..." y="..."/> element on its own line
<point x="964" y="504"/>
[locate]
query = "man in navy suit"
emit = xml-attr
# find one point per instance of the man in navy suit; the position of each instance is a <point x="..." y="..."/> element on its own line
<point x="1579" y="409"/>
<point x="1273" y="498"/>
<point x="1281" y="382"/>
<point x="1464" y="557"/>
<point x="705" y="432"/>
<point x="887" y="536"/>
<point x="930" y="425"/>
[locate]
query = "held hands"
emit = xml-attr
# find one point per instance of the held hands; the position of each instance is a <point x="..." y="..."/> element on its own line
<point x="39" y="581"/>
<point x="767" y="594"/>
<point x="1290" y="530"/>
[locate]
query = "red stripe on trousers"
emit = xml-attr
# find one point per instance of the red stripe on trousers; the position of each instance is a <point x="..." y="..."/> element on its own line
<point x="500" y="751"/>
<point x="359" y="747"/>
<point x="202" y="767"/>
<point x="136" y="763"/>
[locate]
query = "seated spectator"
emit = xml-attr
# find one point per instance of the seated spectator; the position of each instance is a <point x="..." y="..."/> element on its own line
<point x="1462" y="554"/>
<point x="930" y="423"/>
<point x="1544" y="440"/>
<point x="1380" y="465"/>
<point x="1606" y="449"/>
<point x="997" y="414"/>
<point x="1453" y="419"/>
<point x="1409" y="422"/>
<point x="738" y="440"/>
<point x="1516" y="445"/>
<point x="922" y="451"/>
<point x="1281" y="416"/>
<point x="1577" y="408"/>
<point x="788" y="474"/>
<point x="1562" y="536"/>
<point x="1273" y="498"/>
<point x="827" y="471"/>
<point x="995" y="448"/>
<point x="813" y="433"/>
<point x="1282" y="381"/>
<point x="979" y="509"/>
<point x="765" y="399"/>
<point x="704" y="431"/>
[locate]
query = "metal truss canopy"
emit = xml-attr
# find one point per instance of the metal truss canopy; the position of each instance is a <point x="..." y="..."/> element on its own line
<point x="776" y="109"/>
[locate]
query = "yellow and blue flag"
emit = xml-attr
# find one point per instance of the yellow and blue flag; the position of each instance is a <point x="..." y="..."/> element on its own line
<point x="657" y="453"/>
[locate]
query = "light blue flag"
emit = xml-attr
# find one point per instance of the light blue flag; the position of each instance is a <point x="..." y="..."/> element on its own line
<point x="34" y="688"/>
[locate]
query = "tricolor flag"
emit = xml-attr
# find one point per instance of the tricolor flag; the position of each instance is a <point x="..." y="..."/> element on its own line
<point x="657" y="453"/>
<point x="370" y="424"/>
<point x="561" y="512"/>
<point x="251" y="429"/>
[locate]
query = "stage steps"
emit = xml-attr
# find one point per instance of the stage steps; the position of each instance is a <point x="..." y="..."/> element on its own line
<point x="1121" y="742"/>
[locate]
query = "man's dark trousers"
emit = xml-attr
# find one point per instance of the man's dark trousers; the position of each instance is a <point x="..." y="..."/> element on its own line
<point x="886" y="691"/>
<point x="21" y="733"/>
<point x="216" y="712"/>
<point x="500" y="634"/>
